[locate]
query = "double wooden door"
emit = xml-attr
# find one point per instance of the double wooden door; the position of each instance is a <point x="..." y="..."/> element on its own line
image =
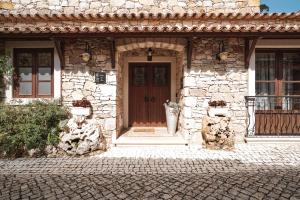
<point x="149" y="88"/>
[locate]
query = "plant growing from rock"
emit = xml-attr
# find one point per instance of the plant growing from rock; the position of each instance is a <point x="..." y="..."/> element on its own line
<point x="82" y="103"/>
<point x="174" y="107"/>
<point x="217" y="103"/>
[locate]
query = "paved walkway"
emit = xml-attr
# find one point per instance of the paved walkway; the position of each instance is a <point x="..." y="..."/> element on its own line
<point x="250" y="172"/>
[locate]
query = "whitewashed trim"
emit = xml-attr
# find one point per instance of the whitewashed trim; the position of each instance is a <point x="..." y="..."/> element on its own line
<point x="272" y="44"/>
<point x="10" y="45"/>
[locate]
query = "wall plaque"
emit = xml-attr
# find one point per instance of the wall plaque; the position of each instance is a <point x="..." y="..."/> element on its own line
<point x="100" y="77"/>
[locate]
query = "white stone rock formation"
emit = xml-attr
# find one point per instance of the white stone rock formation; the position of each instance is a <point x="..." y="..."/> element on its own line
<point x="83" y="136"/>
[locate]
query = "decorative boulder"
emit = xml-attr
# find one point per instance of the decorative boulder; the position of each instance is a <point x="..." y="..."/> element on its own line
<point x="83" y="136"/>
<point x="217" y="133"/>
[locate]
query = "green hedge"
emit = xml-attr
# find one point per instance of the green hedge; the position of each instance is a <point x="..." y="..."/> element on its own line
<point x="26" y="127"/>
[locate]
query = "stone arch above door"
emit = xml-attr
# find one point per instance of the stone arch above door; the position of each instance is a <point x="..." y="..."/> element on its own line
<point x="164" y="43"/>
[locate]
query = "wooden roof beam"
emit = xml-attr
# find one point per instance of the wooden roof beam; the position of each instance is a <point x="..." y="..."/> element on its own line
<point x="189" y="52"/>
<point x="113" y="53"/>
<point x="249" y="51"/>
<point x="59" y="45"/>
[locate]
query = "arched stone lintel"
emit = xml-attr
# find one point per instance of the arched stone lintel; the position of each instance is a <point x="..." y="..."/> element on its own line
<point x="150" y="44"/>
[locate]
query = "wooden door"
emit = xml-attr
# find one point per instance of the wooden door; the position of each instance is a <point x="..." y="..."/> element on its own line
<point x="149" y="88"/>
<point x="159" y="92"/>
<point x="138" y="94"/>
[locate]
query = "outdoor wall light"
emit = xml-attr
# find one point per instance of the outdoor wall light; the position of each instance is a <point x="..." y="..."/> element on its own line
<point x="149" y="54"/>
<point x="222" y="55"/>
<point x="86" y="56"/>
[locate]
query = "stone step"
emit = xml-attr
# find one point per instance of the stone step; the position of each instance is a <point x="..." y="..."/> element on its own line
<point x="273" y="139"/>
<point x="150" y="141"/>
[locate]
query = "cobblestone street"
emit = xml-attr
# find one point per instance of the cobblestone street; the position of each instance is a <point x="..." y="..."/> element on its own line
<point x="249" y="172"/>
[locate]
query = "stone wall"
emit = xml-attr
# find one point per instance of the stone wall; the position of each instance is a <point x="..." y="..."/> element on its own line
<point x="126" y="6"/>
<point x="78" y="80"/>
<point x="210" y="79"/>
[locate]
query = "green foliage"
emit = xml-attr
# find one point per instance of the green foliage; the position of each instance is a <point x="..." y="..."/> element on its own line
<point x="264" y="8"/>
<point x="5" y="67"/>
<point x="26" y="127"/>
<point x="5" y="70"/>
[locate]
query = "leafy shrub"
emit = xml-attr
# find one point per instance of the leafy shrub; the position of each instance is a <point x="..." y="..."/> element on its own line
<point x="26" y="127"/>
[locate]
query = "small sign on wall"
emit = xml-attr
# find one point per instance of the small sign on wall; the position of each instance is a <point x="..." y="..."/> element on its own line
<point x="100" y="77"/>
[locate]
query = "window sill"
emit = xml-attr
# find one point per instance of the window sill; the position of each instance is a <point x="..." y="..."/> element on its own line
<point x="24" y="101"/>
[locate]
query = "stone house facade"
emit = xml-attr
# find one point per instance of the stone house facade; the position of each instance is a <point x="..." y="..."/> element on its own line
<point x="189" y="35"/>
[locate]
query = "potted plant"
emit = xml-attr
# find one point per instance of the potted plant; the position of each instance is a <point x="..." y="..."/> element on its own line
<point x="172" y="112"/>
<point x="81" y="107"/>
<point x="217" y="108"/>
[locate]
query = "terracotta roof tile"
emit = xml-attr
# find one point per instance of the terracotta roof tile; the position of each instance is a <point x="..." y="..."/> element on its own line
<point x="103" y="29"/>
<point x="114" y="16"/>
<point x="186" y="22"/>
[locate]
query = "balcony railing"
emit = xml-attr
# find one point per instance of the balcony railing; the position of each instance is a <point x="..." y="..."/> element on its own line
<point x="273" y="115"/>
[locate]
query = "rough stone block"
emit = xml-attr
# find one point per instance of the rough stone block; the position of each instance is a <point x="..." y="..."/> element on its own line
<point x="110" y="124"/>
<point x="190" y="101"/>
<point x="117" y="3"/>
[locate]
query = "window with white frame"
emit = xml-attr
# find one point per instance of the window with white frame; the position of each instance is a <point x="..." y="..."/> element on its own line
<point x="33" y="77"/>
<point x="277" y="73"/>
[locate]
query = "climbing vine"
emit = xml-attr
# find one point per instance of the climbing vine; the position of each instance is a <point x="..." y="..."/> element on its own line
<point x="6" y="70"/>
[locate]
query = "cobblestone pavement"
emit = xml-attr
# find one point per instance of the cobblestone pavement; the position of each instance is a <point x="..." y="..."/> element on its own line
<point x="249" y="172"/>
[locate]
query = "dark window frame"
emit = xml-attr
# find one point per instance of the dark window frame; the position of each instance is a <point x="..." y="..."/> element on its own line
<point x="279" y="79"/>
<point x="35" y="81"/>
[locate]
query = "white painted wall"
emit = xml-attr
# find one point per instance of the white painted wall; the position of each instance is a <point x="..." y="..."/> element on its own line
<point x="10" y="45"/>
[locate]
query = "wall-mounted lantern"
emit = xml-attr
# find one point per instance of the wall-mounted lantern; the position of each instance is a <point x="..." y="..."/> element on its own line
<point x="100" y="77"/>
<point x="149" y="54"/>
<point x="86" y="56"/>
<point x="222" y="55"/>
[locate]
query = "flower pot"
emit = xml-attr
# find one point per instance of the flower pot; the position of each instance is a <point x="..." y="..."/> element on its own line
<point x="81" y="111"/>
<point x="172" y="112"/>
<point x="218" y="111"/>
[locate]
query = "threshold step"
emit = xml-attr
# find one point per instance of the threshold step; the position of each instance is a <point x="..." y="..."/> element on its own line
<point x="153" y="141"/>
<point x="266" y="139"/>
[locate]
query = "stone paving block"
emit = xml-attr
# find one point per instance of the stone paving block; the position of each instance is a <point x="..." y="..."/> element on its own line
<point x="158" y="173"/>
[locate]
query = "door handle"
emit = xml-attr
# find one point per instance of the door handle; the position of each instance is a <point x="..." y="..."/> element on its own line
<point x="146" y="99"/>
<point x="152" y="99"/>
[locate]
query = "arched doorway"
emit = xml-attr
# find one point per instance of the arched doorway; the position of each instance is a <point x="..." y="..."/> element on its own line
<point x="144" y="86"/>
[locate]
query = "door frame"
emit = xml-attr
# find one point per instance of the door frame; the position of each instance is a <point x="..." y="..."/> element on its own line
<point x="135" y="59"/>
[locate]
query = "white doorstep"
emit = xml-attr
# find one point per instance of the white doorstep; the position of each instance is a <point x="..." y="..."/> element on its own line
<point x="272" y="139"/>
<point x="148" y="140"/>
